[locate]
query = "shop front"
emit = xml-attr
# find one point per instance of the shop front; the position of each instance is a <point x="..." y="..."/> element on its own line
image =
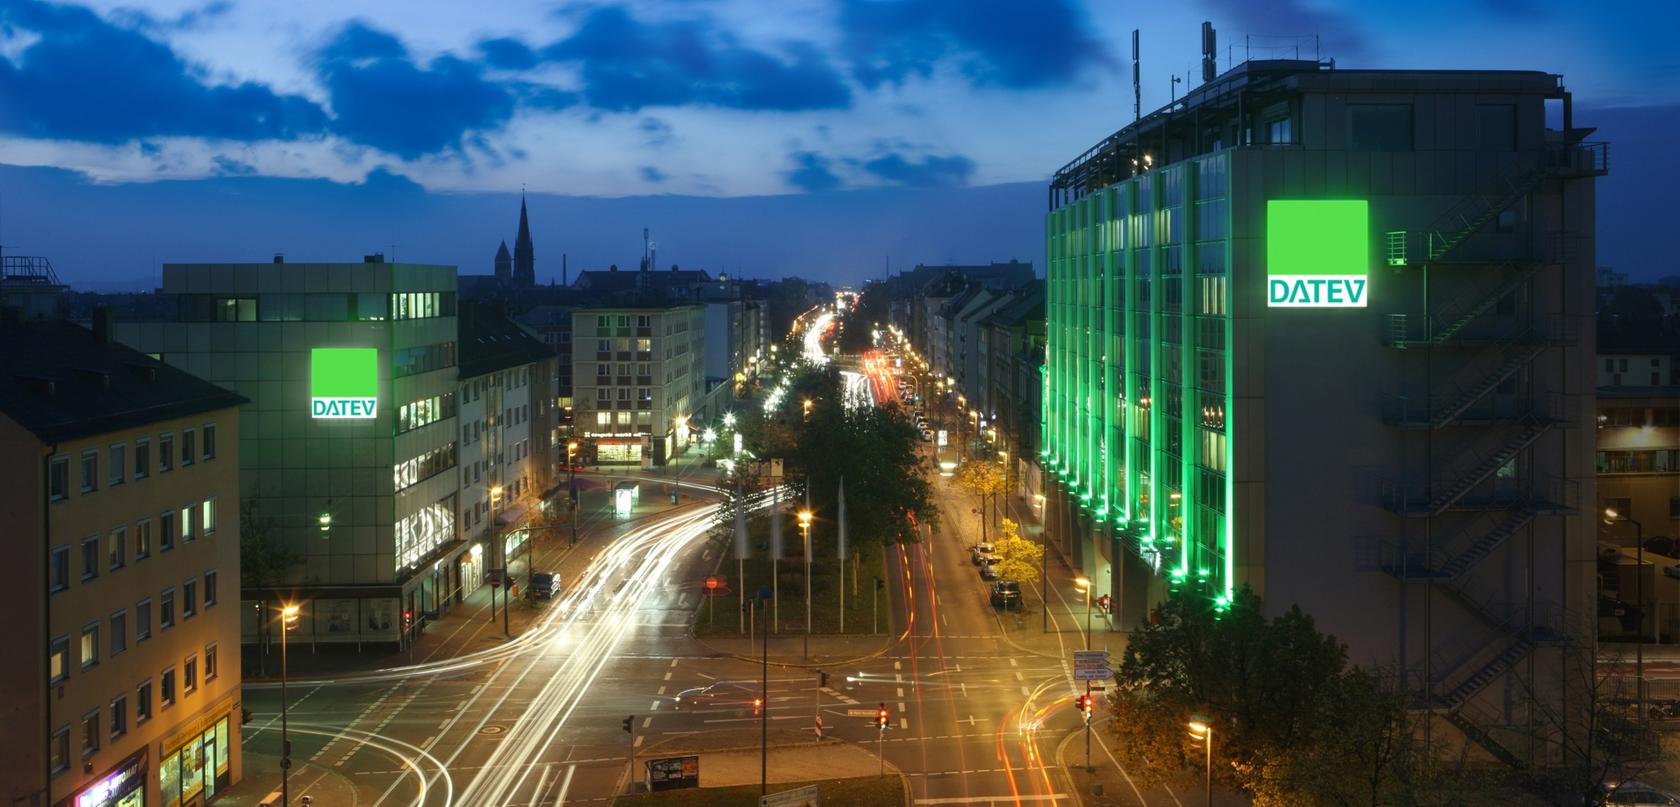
<point x="618" y="450"/>
<point x="469" y="572"/>
<point x="196" y="765"/>
<point x="121" y="786"/>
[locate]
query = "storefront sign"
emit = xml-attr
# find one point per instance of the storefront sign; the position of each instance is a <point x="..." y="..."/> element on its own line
<point x="1317" y="253"/>
<point x="344" y="383"/>
<point x="124" y="786"/>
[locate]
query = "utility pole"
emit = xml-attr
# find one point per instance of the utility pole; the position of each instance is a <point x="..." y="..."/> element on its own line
<point x="764" y="715"/>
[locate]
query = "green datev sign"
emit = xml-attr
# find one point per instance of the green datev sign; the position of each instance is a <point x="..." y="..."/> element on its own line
<point x="344" y="382"/>
<point x="1317" y="253"/>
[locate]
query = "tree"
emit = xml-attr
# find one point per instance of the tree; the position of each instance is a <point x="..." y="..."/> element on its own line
<point x="263" y="562"/>
<point x="984" y="479"/>
<point x="1018" y="558"/>
<point x="1588" y="728"/>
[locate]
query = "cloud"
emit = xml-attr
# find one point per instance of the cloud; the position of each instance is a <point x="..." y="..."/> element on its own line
<point x="381" y="97"/>
<point x="811" y="173"/>
<point x="930" y="171"/>
<point x="89" y="80"/>
<point x="507" y="53"/>
<point x="1003" y="43"/>
<point x="627" y="65"/>
<point x="651" y="174"/>
<point x="658" y="132"/>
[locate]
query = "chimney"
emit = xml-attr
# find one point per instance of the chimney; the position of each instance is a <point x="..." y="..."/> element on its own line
<point x="103" y="319"/>
<point x="279" y="257"/>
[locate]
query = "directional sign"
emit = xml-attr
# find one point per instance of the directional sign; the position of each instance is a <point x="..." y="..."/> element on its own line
<point x="1092" y="674"/>
<point x="860" y="712"/>
<point x="1090" y="656"/>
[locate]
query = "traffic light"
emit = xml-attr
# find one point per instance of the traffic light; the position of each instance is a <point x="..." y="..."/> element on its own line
<point x="882" y="717"/>
<point x="1103" y="602"/>
<point x="408" y="619"/>
<point x="880" y="584"/>
<point x="1086" y="703"/>
<point x="627" y="721"/>
<point x="758" y="706"/>
<point x="822" y="680"/>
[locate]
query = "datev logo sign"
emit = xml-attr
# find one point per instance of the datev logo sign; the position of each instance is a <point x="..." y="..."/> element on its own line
<point x="344" y="382"/>
<point x="1317" y="253"/>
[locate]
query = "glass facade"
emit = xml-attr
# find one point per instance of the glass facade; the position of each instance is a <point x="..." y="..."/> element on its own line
<point x="1137" y="373"/>
<point x="198" y="767"/>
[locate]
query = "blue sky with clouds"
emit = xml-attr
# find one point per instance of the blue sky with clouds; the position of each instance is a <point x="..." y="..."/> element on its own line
<point x="713" y="101"/>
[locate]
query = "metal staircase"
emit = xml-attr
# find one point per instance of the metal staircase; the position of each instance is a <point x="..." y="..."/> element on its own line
<point x="1480" y="737"/>
<point x="1514" y="652"/>
<point x="1469" y="216"/>
<point x="1533" y="428"/>
<point x="1484" y="302"/>
<point x="1518" y="353"/>
<point x="1484" y="545"/>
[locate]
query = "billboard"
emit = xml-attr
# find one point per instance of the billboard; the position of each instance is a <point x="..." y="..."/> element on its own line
<point x="344" y="383"/>
<point x="1317" y="253"/>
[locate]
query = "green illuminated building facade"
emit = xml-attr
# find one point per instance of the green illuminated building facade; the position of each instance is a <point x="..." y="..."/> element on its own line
<point x="1327" y="334"/>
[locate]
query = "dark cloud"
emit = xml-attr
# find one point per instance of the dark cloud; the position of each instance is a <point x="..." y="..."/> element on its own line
<point x="1282" y="24"/>
<point x="89" y="80"/>
<point x="381" y="97"/>
<point x="1003" y="43"/>
<point x="931" y="171"/>
<point x="651" y="174"/>
<point x="811" y="173"/>
<point x="507" y="53"/>
<point x="628" y="64"/>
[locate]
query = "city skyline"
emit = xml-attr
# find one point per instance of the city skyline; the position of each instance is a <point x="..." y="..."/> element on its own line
<point x="621" y="110"/>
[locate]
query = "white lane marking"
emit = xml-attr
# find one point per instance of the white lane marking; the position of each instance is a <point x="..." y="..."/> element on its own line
<point x="1025" y="691"/>
<point x="1013" y="662"/>
<point x="901" y="692"/>
<point x="667" y="676"/>
<point x="537" y="792"/>
<point x="901" y="706"/>
<point x="653" y="706"/>
<point x="898" y="665"/>
<point x="904" y="723"/>
<point x="673" y="662"/>
<point x="565" y="785"/>
<point x="639" y="739"/>
<point x="661" y="691"/>
<point x="647" y="721"/>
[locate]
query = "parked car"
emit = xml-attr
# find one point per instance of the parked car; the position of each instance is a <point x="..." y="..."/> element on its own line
<point x="1639" y="793"/>
<point x="988" y="568"/>
<point x="927" y="436"/>
<point x="1663" y="545"/>
<point x="544" y="585"/>
<point x="979" y="552"/>
<point x="1006" y="594"/>
<point x="722" y="693"/>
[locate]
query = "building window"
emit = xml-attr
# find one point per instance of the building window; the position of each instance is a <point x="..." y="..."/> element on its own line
<point x="90" y="733"/>
<point x="58" y="750"/>
<point x="119" y="632"/>
<point x="58" y="660"/>
<point x="118" y="463"/>
<point x="207" y="516"/>
<point x="209" y="441"/>
<point x="90" y="471"/>
<point x="189" y="675"/>
<point x="119" y="716"/>
<point x="142" y="539"/>
<point x="166" y="688"/>
<point x="1380" y="127"/>
<point x="166" y="453"/>
<point x="116" y="549"/>
<point x="210" y="662"/>
<point x="209" y="588"/>
<point x="187" y="526"/>
<point x="142" y="621"/>
<point x="166" y="609"/>
<point x="189" y="599"/>
<point x="1279" y="131"/>
<point x="143" y="702"/>
<point x="90" y="644"/>
<point x="166" y="530"/>
<point x="142" y="458"/>
<point x="58" y="478"/>
<point x="59" y="575"/>
<point x="90" y="557"/>
<point x="188" y="447"/>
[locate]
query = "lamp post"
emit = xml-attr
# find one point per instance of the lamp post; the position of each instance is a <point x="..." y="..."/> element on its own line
<point x="805" y="534"/>
<point x="1084" y="584"/>
<point x="1611" y="517"/>
<point x="499" y="550"/>
<point x="1044" y="563"/>
<point x="288" y="620"/>
<point x="1201" y="730"/>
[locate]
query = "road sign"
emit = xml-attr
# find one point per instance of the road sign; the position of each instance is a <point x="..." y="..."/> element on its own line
<point x="860" y="712"/>
<point x="1092" y="673"/>
<point x="798" y="797"/>
<point x="1090" y="656"/>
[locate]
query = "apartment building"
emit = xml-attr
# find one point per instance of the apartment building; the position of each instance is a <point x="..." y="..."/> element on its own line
<point x="638" y="374"/>
<point x="123" y="528"/>
<point x="1326" y="333"/>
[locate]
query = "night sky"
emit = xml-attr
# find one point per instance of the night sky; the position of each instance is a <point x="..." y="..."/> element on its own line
<point x="813" y="137"/>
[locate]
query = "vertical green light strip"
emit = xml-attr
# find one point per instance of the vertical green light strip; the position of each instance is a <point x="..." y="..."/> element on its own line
<point x="1189" y="377"/>
<point x="1150" y="222"/>
<point x="1128" y="419"/>
<point x="1229" y="549"/>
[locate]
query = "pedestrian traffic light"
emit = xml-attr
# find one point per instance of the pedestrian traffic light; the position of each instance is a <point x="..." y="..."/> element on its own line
<point x="627" y="721"/>
<point x="882" y="717"/>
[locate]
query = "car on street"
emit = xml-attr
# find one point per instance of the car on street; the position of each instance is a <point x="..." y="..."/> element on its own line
<point x="927" y="436"/>
<point x="1663" y="545"/>
<point x="544" y="585"/>
<point x="988" y="568"/>
<point x="722" y="693"/>
<point x="1636" y="793"/>
<point x="1006" y="594"/>
<point x="979" y="551"/>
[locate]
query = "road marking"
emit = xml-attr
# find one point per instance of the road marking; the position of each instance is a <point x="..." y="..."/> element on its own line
<point x="899" y="678"/>
<point x="903" y="722"/>
<point x="667" y="676"/>
<point x="428" y="741"/>
<point x="661" y="691"/>
<point x="1013" y="662"/>
<point x="901" y="706"/>
<point x="1019" y="676"/>
<point x="639" y="739"/>
<point x="964" y="686"/>
<point x="647" y="721"/>
<point x="654" y="706"/>
<point x="1025" y="691"/>
<point x="901" y="694"/>
<point x="565" y="785"/>
<point x="673" y="662"/>
<point x="898" y="665"/>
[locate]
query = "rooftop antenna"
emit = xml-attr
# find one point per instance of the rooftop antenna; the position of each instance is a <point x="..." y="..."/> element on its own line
<point x="1137" y="87"/>
<point x="1172" y="94"/>
<point x="1210" y="52"/>
<point x="393" y="251"/>
<point x="646" y="245"/>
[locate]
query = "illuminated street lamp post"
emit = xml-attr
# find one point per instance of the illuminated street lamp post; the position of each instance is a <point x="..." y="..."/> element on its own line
<point x="805" y="533"/>
<point x="498" y="550"/>
<point x="288" y="620"/>
<point x="1201" y="730"/>
<point x="571" y="479"/>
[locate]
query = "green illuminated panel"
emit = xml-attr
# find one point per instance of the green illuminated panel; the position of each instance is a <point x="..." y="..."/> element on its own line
<point x="344" y="382"/>
<point x="1318" y="253"/>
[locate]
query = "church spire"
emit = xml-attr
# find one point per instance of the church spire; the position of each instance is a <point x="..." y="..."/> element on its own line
<point x="524" y="254"/>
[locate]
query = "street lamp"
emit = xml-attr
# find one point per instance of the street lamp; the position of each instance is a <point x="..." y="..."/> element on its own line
<point x="807" y="408"/>
<point x="288" y="620"/>
<point x="1084" y="584"/>
<point x="1611" y="517"/>
<point x="498" y="551"/>
<point x="805" y="534"/>
<point x="1201" y="730"/>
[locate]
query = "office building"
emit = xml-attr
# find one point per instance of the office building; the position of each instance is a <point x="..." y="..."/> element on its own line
<point x="123" y="532"/>
<point x="348" y="441"/>
<point x="638" y="375"/>
<point x="1326" y="333"/>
